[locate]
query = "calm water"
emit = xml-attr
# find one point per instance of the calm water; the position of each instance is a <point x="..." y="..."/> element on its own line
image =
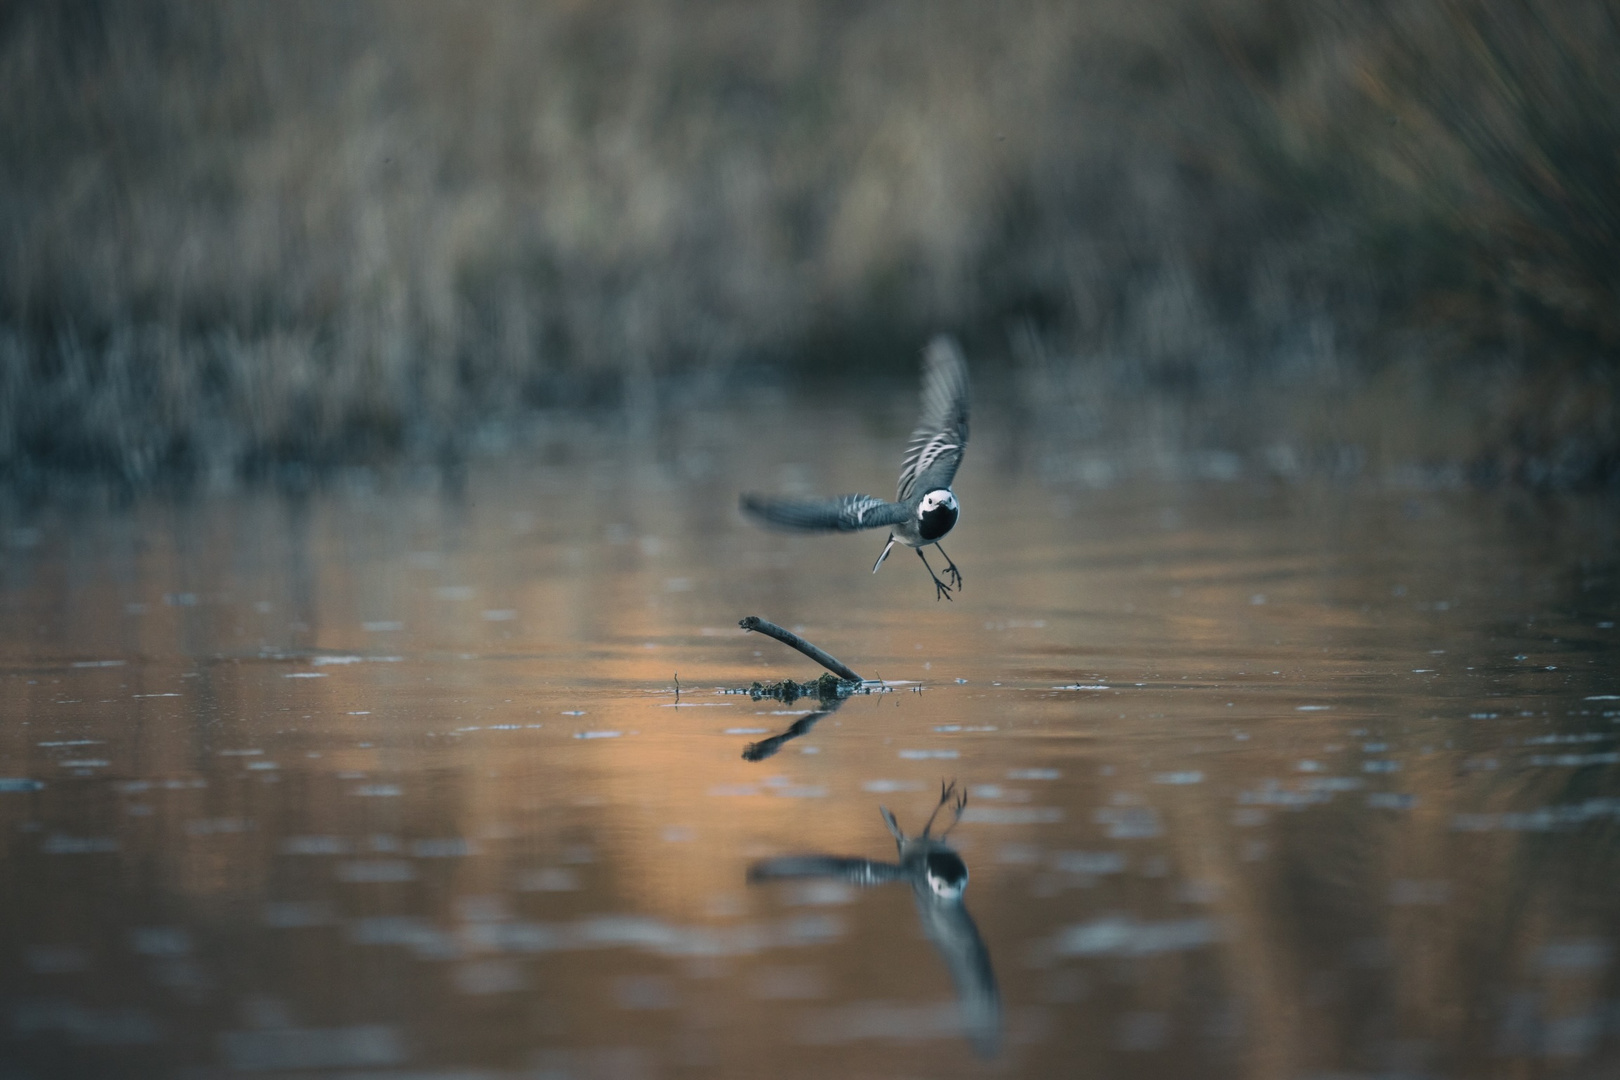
<point x="390" y="779"/>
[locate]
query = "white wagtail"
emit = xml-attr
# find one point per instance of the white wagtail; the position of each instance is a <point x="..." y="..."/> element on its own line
<point x="925" y="508"/>
<point x="938" y="877"/>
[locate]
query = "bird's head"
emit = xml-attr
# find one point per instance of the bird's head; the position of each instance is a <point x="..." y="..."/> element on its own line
<point x="947" y="873"/>
<point x="937" y="513"/>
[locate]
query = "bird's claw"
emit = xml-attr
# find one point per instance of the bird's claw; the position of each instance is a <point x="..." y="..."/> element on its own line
<point x="955" y="575"/>
<point x="942" y="591"/>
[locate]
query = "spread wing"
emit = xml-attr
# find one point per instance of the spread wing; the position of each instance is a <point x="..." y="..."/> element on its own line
<point x="854" y="871"/>
<point x="936" y="446"/>
<point x="951" y="929"/>
<point x="842" y="513"/>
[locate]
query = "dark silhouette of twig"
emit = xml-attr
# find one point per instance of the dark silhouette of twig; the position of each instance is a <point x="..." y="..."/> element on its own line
<point x="792" y="640"/>
<point x="759" y="751"/>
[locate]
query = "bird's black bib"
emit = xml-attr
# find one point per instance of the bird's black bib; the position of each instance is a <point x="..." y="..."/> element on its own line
<point x="935" y="523"/>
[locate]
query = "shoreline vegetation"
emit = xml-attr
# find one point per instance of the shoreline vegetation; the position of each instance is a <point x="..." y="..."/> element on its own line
<point x="238" y="237"/>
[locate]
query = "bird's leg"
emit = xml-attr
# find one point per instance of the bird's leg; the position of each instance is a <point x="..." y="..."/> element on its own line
<point x="944" y="796"/>
<point x="957" y="806"/>
<point x="947" y="788"/>
<point x="950" y="567"/>
<point x="940" y="588"/>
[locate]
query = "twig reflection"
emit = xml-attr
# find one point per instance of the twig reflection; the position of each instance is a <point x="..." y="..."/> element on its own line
<point x="759" y="751"/>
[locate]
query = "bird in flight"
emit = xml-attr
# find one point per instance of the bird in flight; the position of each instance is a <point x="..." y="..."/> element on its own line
<point x="925" y="507"/>
<point x="938" y="877"/>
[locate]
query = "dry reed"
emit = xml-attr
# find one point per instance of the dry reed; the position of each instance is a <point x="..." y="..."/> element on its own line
<point x="246" y="233"/>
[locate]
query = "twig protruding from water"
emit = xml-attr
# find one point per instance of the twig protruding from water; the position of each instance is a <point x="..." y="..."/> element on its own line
<point x="792" y="640"/>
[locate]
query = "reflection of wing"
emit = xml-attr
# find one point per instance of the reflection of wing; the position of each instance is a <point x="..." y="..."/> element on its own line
<point x="855" y="871"/>
<point x="842" y="513"/>
<point x="950" y="927"/>
<point x="936" y="446"/>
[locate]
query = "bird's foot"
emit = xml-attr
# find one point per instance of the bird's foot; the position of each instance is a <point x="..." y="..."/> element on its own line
<point x="954" y="574"/>
<point x="941" y="590"/>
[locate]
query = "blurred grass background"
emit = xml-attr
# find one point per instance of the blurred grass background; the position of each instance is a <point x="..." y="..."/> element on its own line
<point x="1382" y="232"/>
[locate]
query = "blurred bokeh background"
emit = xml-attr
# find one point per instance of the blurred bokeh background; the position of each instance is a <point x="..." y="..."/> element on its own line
<point x="377" y="381"/>
<point x="1336" y="235"/>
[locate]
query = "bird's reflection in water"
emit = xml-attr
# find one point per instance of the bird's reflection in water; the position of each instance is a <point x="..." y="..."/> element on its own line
<point x="759" y="751"/>
<point x="938" y="877"/>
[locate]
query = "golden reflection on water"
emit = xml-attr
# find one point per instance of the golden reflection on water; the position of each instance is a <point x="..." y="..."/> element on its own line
<point x="1265" y="781"/>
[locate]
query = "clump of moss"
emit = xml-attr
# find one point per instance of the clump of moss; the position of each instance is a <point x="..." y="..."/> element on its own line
<point x="826" y="688"/>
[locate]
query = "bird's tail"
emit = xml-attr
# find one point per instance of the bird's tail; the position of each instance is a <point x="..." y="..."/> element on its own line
<point x="885" y="554"/>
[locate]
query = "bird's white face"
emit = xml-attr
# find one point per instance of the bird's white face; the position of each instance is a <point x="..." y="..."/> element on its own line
<point x="946" y="890"/>
<point x="936" y="514"/>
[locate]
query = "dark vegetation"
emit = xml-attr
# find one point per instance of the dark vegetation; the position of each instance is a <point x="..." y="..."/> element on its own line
<point x="825" y="688"/>
<point x="242" y="234"/>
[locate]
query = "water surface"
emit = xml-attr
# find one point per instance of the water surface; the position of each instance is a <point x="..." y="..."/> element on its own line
<point x="390" y="777"/>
